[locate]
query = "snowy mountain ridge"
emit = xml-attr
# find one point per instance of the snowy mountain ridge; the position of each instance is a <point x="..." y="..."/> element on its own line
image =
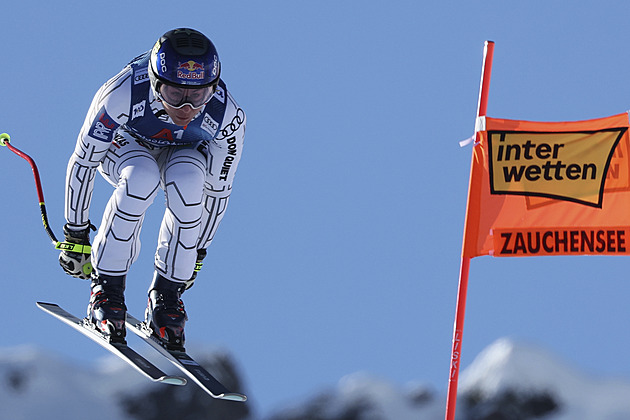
<point x="508" y="380"/>
<point x="37" y="385"/>
<point x="510" y="365"/>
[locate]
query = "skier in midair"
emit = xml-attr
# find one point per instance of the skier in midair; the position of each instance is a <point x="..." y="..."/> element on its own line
<point x="165" y="121"/>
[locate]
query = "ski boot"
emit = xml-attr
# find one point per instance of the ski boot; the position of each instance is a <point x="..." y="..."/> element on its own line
<point x="165" y="314"/>
<point x="107" y="310"/>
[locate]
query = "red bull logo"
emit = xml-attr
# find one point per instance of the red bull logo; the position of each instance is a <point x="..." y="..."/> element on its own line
<point x="190" y="70"/>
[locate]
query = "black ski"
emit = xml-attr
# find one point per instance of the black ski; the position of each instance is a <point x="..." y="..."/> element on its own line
<point x="185" y="363"/>
<point x="121" y="350"/>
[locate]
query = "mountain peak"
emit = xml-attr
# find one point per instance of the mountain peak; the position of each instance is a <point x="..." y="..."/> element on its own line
<point x="508" y="366"/>
<point x="507" y="363"/>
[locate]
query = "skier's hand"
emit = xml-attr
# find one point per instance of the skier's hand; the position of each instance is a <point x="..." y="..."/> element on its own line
<point x="75" y="252"/>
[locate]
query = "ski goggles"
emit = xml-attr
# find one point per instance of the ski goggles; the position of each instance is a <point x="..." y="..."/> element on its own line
<point x="176" y="97"/>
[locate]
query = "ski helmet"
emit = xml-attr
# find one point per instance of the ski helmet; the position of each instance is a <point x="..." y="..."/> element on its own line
<point x="184" y="58"/>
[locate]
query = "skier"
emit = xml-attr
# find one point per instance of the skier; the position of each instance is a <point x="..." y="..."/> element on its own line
<point x="165" y="121"/>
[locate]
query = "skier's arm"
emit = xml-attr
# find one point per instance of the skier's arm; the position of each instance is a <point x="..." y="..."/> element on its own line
<point x="109" y="109"/>
<point x="107" y="112"/>
<point x="226" y="149"/>
<point x="224" y="154"/>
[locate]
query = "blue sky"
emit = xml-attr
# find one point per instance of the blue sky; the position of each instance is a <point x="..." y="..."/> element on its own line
<point x="340" y="251"/>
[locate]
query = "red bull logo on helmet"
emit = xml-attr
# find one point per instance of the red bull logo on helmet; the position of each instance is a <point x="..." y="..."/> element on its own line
<point x="190" y="70"/>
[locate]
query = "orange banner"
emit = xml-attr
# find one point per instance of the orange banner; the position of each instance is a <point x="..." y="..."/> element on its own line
<point x="549" y="188"/>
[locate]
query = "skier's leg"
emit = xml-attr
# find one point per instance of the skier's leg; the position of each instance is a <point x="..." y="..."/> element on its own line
<point x="183" y="176"/>
<point x="135" y="174"/>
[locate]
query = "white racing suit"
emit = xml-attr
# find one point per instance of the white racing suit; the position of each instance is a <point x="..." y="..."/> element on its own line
<point x="137" y="148"/>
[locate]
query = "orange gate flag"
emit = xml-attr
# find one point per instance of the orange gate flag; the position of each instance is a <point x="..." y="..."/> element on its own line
<point x="549" y="188"/>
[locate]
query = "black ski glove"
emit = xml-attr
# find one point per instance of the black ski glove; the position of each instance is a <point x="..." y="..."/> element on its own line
<point x="75" y="252"/>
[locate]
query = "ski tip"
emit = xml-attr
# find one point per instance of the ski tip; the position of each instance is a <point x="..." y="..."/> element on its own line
<point x="45" y="305"/>
<point x="232" y="396"/>
<point x="173" y="380"/>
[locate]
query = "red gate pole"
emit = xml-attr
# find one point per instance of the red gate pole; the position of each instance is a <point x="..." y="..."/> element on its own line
<point x="458" y="329"/>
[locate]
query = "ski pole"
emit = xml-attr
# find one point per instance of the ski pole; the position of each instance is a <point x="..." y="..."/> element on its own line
<point x="5" y="140"/>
